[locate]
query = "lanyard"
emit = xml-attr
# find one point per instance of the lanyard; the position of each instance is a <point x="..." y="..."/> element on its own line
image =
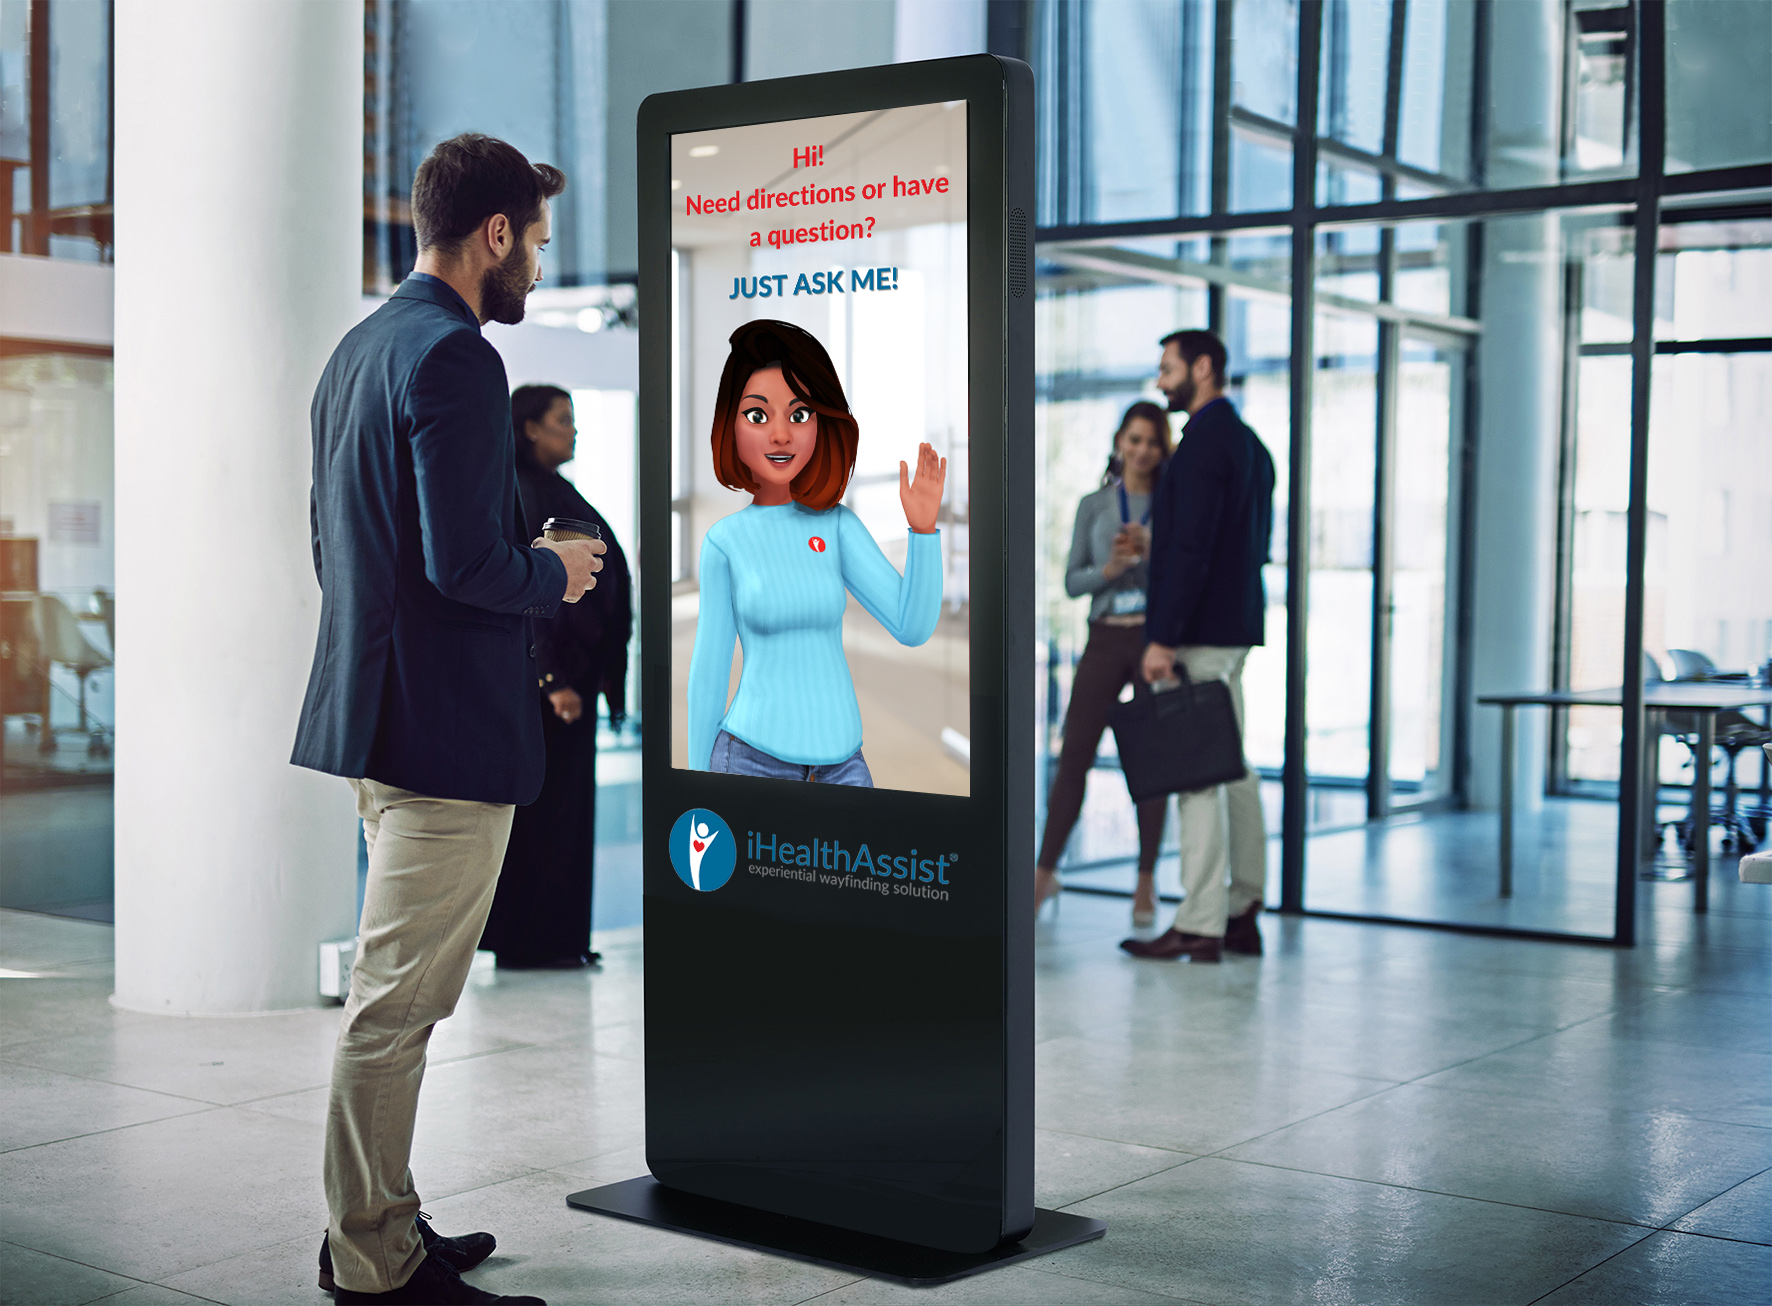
<point x="1126" y="508"/>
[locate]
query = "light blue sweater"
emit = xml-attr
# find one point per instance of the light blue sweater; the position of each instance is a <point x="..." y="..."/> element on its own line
<point x="766" y="583"/>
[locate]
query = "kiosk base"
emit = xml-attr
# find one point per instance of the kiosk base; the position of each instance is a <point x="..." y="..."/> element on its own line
<point x="646" y="1201"/>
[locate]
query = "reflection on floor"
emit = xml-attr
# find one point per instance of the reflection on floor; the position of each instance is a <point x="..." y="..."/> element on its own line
<point x="1444" y="867"/>
<point x="1366" y="1114"/>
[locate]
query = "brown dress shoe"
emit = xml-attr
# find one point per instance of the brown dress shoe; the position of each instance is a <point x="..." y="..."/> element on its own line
<point x="1172" y="944"/>
<point x="1241" y="934"/>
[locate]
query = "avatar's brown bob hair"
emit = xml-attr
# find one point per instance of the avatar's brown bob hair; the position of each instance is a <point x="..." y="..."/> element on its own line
<point x="806" y="367"/>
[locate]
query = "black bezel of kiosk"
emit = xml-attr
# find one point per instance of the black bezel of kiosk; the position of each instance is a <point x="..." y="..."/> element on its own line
<point x="850" y="1061"/>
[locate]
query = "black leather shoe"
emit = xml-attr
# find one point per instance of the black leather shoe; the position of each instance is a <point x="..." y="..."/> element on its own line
<point x="1171" y="944"/>
<point x="434" y="1284"/>
<point x="1242" y="935"/>
<point x="459" y="1254"/>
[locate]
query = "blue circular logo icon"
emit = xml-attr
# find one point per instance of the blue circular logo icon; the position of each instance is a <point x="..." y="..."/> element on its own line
<point x="703" y="851"/>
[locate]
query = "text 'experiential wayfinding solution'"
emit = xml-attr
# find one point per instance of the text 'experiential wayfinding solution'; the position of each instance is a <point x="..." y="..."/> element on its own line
<point x="836" y="419"/>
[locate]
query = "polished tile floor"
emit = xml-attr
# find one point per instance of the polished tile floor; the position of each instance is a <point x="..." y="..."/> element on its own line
<point x="1368" y="1114"/>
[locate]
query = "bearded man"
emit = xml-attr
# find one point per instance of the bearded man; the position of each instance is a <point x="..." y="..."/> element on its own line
<point x="1212" y="519"/>
<point x="422" y="693"/>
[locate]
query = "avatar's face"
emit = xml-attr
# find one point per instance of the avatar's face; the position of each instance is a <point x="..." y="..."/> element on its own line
<point x="776" y="432"/>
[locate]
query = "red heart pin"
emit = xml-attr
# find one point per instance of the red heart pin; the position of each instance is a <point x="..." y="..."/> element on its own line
<point x="816" y="544"/>
<point x="699" y="845"/>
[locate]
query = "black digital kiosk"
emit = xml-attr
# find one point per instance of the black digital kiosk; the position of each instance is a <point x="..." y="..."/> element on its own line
<point x="837" y="534"/>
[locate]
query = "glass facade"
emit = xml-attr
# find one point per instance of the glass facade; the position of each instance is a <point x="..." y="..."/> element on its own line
<point x="57" y="631"/>
<point x="57" y="519"/>
<point x="1493" y="279"/>
<point x="1466" y="417"/>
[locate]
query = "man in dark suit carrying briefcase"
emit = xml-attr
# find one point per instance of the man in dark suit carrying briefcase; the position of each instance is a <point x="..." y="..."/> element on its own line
<point x="423" y="688"/>
<point x="1212" y="522"/>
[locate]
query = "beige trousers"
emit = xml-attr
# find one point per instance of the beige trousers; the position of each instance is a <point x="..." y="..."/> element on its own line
<point x="1221" y="828"/>
<point x="433" y="866"/>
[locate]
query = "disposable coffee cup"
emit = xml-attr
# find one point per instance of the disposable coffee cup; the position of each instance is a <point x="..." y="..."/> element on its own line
<point x="570" y="528"/>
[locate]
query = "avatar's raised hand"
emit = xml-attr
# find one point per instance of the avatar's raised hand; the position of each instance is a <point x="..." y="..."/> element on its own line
<point x="922" y="497"/>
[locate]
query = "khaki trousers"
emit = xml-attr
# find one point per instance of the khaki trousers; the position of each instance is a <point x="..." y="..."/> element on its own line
<point x="433" y="866"/>
<point x="1221" y="828"/>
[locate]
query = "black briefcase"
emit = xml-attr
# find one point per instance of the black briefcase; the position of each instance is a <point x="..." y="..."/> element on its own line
<point x="1174" y="741"/>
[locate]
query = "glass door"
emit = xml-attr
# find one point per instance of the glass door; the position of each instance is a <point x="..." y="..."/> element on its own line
<point x="1419" y="587"/>
<point x="1387" y="436"/>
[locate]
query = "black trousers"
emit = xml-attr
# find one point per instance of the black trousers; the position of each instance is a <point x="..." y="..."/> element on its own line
<point x="542" y="911"/>
<point x="1109" y="663"/>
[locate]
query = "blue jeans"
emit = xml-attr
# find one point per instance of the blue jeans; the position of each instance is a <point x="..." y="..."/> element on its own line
<point x="735" y="757"/>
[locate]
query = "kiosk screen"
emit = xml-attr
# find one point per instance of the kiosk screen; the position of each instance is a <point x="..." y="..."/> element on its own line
<point x="819" y="617"/>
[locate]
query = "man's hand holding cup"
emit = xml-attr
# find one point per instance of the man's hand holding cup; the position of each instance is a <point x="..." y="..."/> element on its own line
<point x="580" y="546"/>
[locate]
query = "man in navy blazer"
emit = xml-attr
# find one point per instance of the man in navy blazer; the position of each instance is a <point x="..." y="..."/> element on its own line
<point x="1212" y="519"/>
<point x="422" y="693"/>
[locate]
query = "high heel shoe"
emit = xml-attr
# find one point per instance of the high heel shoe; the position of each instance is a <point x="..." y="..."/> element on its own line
<point x="1046" y="888"/>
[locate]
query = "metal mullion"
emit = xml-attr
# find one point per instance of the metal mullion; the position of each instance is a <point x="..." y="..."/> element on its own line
<point x="1734" y="345"/>
<point x="1722" y="345"/>
<point x="1108" y="233"/>
<point x="1617" y="193"/>
<point x="1187" y="133"/>
<point x="1562" y="611"/>
<point x="1746" y="176"/>
<point x="1295" y="778"/>
<point x="1481" y="26"/>
<point x="1464" y="621"/>
<point x="1223" y="33"/>
<point x="1081" y="150"/>
<point x="737" y="49"/>
<point x="1393" y="91"/>
<point x="1652" y="133"/>
<point x="1378" y="740"/>
<point x="1250" y="123"/>
<point x="1151" y="267"/>
<point x="37" y="83"/>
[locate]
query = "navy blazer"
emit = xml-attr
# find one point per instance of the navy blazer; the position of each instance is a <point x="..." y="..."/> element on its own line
<point x="424" y="673"/>
<point x="1212" y="523"/>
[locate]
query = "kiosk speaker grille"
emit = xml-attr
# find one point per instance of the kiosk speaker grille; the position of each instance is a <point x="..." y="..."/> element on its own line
<point x="1018" y="253"/>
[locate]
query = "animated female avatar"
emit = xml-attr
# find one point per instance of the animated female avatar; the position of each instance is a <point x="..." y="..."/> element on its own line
<point x="776" y="576"/>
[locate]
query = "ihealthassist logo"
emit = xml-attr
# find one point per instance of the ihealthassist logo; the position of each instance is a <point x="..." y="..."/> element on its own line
<point x="703" y="851"/>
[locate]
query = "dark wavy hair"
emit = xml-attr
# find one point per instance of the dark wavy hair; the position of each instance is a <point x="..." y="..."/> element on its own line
<point x="530" y="403"/>
<point x="1152" y="413"/>
<point x="468" y="178"/>
<point x="806" y="368"/>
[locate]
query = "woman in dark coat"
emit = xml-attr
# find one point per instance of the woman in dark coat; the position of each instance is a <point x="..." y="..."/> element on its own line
<point x="541" y="916"/>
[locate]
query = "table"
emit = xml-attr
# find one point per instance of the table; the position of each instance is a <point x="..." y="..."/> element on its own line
<point x="1703" y="698"/>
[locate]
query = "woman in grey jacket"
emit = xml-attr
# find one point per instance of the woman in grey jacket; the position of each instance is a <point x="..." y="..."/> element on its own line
<point x="1110" y="548"/>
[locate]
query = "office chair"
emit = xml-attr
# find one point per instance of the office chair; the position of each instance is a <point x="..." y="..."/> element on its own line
<point x="66" y="643"/>
<point x="1756" y="868"/>
<point x="1690" y="664"/>
<point x="106" y="603"/>
<point x="1735" y="731"/>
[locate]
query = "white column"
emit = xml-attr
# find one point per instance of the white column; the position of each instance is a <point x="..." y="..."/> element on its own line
<point x="1520" y="383"/>
<point x="239" y="266"/>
